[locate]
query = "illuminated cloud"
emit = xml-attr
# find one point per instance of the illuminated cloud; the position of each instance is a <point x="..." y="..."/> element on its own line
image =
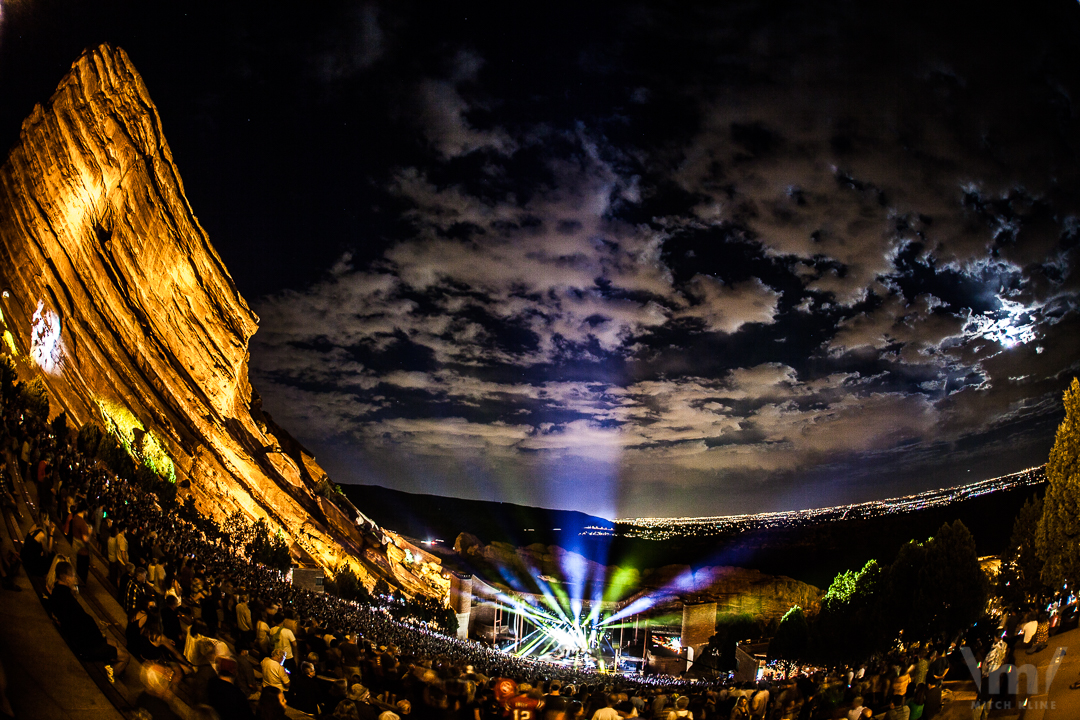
<point x="688" y="289"/>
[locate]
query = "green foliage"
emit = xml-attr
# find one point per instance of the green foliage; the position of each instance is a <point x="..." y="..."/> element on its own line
<point x="851" y="627"/>
<point x="1058" y="538"/>
<point x="258" y="543"/>
<point x="1020" y="581"/>
<point x="792" y="638"/>
<point x="936" y="588"/>
<point x="115" y="457"/>
<point x="36" y="398"/>
<point x="59" y="427"/>
<point x="147" y="479"/>
<point x="448" y="621"/>
<point x="932" y="589"/>
<point x="89" y="439"/>
<point x="953" y="588"/>
<point x="347" y="586"/>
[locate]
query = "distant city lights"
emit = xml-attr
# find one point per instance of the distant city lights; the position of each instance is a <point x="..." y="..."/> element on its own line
<point x="663" y="528"/>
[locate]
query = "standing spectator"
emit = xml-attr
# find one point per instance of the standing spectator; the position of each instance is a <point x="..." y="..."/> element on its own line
<point x="759" y="703"/>
<point x="283" y="638"/>
<point x="155" y="575"/>
<point x="80" y="541"/>
<point x="681" y="712"/>
<point x="24" y="461"/>
<point x="137" y="593"/>
<point x="209" y="607"/>
<point x="117" y="554"/>
<point x="741" y="711"/>
<point x="900" y="683"/>
<point x="243" y="620"/>
<point x="170" y="619"/>
<point x="262" y="634"/>
<point x="921" y="670"/>
<point x="245" y="669"/>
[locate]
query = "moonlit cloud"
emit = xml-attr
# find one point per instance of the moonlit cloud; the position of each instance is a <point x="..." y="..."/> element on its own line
<point x="686" y="291"/>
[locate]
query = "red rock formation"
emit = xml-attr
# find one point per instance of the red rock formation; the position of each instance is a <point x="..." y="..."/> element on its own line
<point x="115" y="291"/>
<point x="735" y="590"/>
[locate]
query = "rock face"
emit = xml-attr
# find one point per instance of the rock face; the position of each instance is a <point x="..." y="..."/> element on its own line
<point x="114" y="292"/>
<point x="735" y="590"/>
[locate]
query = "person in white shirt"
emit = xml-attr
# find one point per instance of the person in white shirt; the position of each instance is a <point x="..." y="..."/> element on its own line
<point x="1029" y="629"/>
<point x="608" y="712"/>
<point x="856" y="709"/>
<point x="155" y="575"/>
<point x="243" y="616"/>
<point x="274" y="674"/>
<point x="284" y="639"/>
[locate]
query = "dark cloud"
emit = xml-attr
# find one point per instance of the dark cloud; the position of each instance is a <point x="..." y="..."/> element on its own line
<point x="642" y="260"/>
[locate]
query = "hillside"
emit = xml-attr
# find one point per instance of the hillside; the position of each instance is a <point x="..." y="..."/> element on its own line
<point x="813" y="554"/>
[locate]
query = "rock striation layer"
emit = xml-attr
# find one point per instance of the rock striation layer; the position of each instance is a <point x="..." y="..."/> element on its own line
<point x="114" y="292"/>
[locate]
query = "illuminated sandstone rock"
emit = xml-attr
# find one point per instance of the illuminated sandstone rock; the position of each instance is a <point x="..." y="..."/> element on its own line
<point x="115" y="292"/>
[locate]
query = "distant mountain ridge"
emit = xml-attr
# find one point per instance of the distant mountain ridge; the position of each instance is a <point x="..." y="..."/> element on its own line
<point x="434" y="517"/>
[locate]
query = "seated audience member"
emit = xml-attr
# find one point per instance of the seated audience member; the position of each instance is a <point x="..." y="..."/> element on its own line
<point x="273" y="671"/>
<point x="79" y="628"/>
<point x="271" y="704"/>
<point x="156" y="697"/>
<point x="37" y="550"/>
<point x="223" y="694"/>
<point x="304" y="695"/>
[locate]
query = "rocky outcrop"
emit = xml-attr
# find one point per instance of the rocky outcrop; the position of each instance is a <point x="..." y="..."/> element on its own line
<point x="735" y="590"/>
<point x="113" y="292"/>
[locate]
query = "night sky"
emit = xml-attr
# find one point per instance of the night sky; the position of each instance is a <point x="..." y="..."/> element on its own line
<point x="632" y="259"/>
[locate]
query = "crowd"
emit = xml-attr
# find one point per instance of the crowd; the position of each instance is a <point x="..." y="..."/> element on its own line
<point x="238" y="640"/>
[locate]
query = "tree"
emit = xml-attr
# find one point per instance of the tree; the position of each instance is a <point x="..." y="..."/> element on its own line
<point x="1058" y="538"/>
<point x="89" y="439"/>
<point x="8" y="379"/>
<point x="953" y="588"/>
<point x="936" y="587"/>
<point x="346" y="585"/>
<point x="59" y="427"/>
<point x="1020" y="581"/>
<point x="36" y="397"/>
<point x="792" y="637"/>
<point x="270" y="550"/>
<point x="851" y="625"/>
